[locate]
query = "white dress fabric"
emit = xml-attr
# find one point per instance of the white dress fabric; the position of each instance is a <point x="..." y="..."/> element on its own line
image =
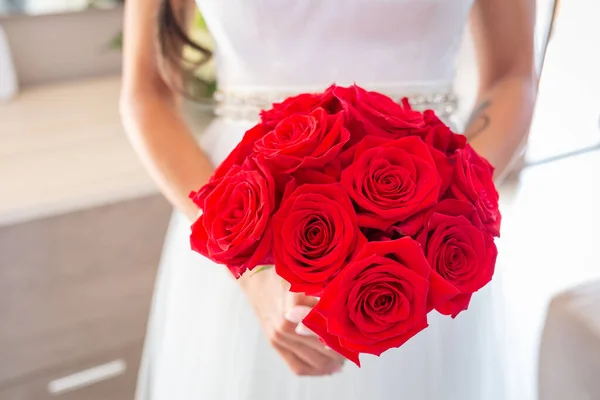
<point x="204" y="342"/>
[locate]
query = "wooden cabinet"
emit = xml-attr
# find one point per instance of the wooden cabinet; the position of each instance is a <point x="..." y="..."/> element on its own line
<point x="75" y="292"/>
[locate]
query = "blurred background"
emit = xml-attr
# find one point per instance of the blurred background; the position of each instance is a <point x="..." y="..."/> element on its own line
<point x="82" y="224"/>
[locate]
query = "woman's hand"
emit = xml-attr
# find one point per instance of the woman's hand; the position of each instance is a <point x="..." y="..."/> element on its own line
<point x="280" y="314"/>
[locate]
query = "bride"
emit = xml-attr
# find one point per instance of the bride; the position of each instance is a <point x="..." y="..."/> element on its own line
<point x="213" y="338"/>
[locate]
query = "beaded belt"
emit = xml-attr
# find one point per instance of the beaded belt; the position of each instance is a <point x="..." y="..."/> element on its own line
<point x="246" y="106"/>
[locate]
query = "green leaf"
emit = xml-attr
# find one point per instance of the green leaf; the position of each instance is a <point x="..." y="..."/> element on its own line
<point x="260" y="269"/>
<point x="202" y="89"/>
<point x="200" y="22"/>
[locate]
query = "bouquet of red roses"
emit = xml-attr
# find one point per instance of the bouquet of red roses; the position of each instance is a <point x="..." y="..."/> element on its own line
<point x="380" y="211"/>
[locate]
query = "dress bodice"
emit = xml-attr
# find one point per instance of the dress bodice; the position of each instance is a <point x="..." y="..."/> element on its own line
<point x="296" y="45"/>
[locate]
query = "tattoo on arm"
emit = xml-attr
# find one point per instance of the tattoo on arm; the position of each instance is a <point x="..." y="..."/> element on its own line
<point x="478" y="121"/>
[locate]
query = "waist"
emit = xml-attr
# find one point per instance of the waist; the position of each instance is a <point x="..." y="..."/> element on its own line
<point x="245" y="104"/>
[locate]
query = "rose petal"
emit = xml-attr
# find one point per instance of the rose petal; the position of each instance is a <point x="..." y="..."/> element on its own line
<point x="440" y="291"/>
<point x="316" y="323"/>
<point x="455" y="306"/>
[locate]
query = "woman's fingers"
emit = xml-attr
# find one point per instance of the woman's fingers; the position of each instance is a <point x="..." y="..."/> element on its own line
<point x="308" y="349"/>
<point x="321" y="363"/>
<point x="315" y="344"/>
<point x="296" y="364"/>
<point x="302" y="342"/>
<point x="302" y="330"/>
<point x="299" y="299"/>
<point x="299" y="333"/>
<point x="297" y="313"/>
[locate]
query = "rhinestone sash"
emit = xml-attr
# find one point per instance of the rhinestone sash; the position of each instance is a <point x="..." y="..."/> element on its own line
<point x="246" y="106"/>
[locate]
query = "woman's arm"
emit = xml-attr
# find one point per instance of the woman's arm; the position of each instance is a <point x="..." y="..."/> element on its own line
<point x="150" y="111"/>
<point x="503" y="32"/>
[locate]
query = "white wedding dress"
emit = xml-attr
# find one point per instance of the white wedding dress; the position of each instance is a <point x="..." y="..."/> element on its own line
<point x="204" y="342"/>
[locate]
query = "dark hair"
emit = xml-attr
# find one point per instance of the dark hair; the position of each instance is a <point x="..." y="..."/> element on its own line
<point x="172" y="40"/>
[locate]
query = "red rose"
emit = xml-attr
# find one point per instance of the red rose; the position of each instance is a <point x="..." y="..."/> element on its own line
<point x="443" y="143"/>
<point x="444" y="167"/>
<point x="234" y="229"/>
<point x="300" y="104"/>
<point x="473" y="182"/>
<point x="313" y="176"/>
<point x="315" y="235"/>
<point x="303" y="141"/>
<point x="242" y="151"/>
<point x="459" y="249"/>
<point x="439" y="135"/>
<point x="391" y="180"/>
<point x="372" y="113"/>
<point x="379" y="300"/>
<point x="409" y="227"/>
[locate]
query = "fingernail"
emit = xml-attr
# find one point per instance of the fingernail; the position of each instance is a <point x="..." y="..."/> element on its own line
<point x="297" y="314"/>
<point x="302" y="330"/>
<point x="285" y="284"/>
<point x="336" y="369"/>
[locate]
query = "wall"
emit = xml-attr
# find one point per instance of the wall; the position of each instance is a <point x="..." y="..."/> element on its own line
<point x="60" y="47"/>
